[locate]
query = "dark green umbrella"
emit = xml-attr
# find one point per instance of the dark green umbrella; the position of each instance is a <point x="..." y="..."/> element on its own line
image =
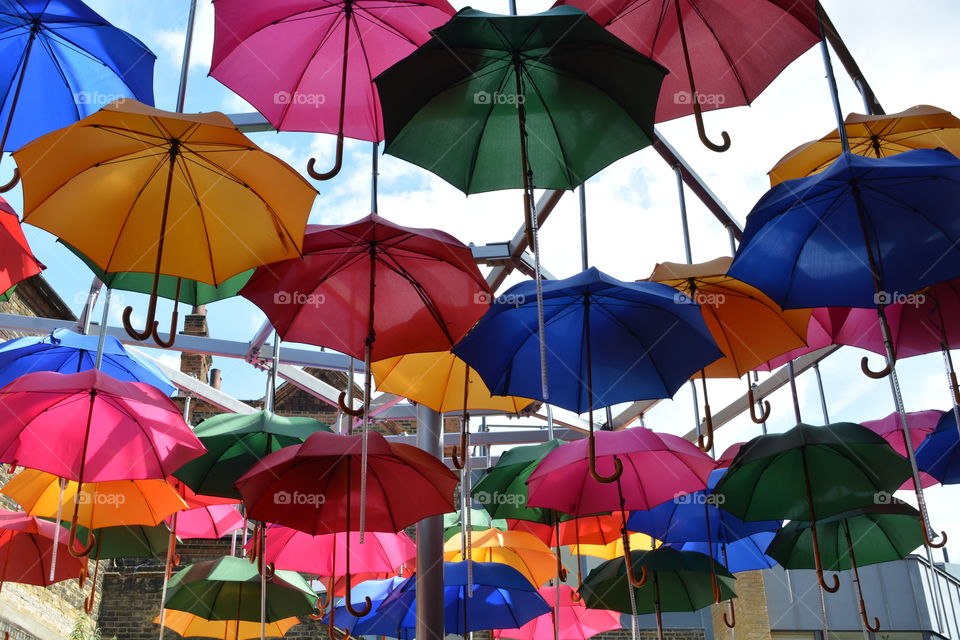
<point x="502" y="491"/>
<point x="810" y="473"/>
<point x="125" y="541"/>
<point x="581" y="96"/>
<point x="235" y="442"/>
<point x="878" y="533"/>
<point x="480" y="520"/>
<point x="674" y="581"/>
<point x="229" y="589"/>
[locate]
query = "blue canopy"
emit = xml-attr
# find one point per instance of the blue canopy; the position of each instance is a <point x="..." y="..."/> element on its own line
<point x="372" y="624"/>
<point x="939" y="453"/>
<point x="502" y="599"/>
<point x="805" y="242"/>
<point x="64" y="351"/>
<point x="746" y="554"/>
<point x="72" y="62"/>
<point x="646" y="340"/>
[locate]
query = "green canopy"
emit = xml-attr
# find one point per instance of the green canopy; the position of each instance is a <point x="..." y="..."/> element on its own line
<point x="502" y="491"/>
<point x="5" y="296"/>
<point x="125" y="541"/>
<point x="480" y="520"/>
<point x="235" y="442"/>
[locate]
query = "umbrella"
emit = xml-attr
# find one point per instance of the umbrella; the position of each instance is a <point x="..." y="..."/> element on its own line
<point x="596" y="529"/>
<point x="576" y="621"/>
<point x="938" y="454"/>
<point x="610" y="341"/>
<point x="235" y="442"/>
<point x="188" y="625"/>
<point x="479" y="520"/>
<point x="748" y="326"/>
<point x="730" y="52"/>
<point x="381" y="555"/>
<point x="26" y="551"/>
<point x="615" y="548"/>
<point x="810" y="473"/>
<point x="372" y="624"/>
<point x="678" y="581"/>
<point x="64" y="351"/>
<point x="126" y="541"/>
<point x="745" y="554"/>
<point x="877" y="533"/>
<point x="211" y="522"/>
<point x="874" y="136"/>
<point x="253" y="208"/>
<point x="282" y="59"/>
<point x="921" y="423"/>
<point x="523" y="551"/>
<point x="827" y="326"/>
<point x="502" y="599"/>
<point x="502" y="100"/>
<point x="18" y="262"/>
<point x="229" y="589"/>
<point x="63" y="62"/>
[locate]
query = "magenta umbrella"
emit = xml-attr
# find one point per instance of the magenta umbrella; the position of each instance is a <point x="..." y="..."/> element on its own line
<point x="576" y="622"/>
<point x="920" y="423"/>
<point x="207" y="523"/>
<point x="827" y="326"/>
<point x="308" y="65"/>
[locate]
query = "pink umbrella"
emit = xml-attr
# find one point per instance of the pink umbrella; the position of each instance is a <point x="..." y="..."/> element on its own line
<point x="920" y="423"/>
<point x="825" y="328"/>
<point x="308" y="65"/>
<point x="382" y="555"/>
<point x="576" y="622"/>
<point x="209" y="523"/>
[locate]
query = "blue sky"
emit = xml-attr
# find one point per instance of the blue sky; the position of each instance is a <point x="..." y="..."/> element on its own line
<point x="907" y="50"/>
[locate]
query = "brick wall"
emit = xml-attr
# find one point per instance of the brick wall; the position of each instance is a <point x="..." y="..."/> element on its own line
<point x="753" y="622"/>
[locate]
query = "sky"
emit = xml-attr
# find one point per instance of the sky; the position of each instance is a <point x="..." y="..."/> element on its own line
<point x="907" y="51"/>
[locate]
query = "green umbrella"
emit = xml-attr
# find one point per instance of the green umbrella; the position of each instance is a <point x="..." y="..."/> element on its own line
<point x="229" y="589"/>
<point x="480" y="520"/>
<point x="5" y="296"/>
<point x="878" y="533"/>
<point x="809" y="473"/>
<point x="125" y="541"/>
<point x="235" y="442"/>
<point x="674" y="581"/>
<point x="502" y="491"/>
<point x="582" y="98"/>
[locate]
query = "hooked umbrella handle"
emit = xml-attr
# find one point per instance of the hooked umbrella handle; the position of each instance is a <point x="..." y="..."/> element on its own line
<point x="13" y="182"/>
<point x="876" y="375"/>
<point x="592" y="463"/>
<point x="342" y="403"/>
<point x="765" y="411"/>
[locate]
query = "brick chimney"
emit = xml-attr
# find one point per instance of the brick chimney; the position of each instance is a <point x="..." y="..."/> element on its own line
<point x="195" y="364"/>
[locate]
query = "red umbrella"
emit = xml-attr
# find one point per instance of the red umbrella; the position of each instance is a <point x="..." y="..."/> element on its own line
<point x="720" y="53"/>
<point x="309" y="66"/>
<point x="16" y="261"/>
<point x="26" y="551"/>
<point x="920" y="423"/>
<point x="593" y="529"/>
<point x="209" y="523"/>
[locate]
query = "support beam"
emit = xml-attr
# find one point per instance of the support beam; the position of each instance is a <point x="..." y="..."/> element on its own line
<point x="430" y="614"/>
<point x="518" y="245"/>
<point x="531" y="435"/>
<point x="312" y="384"/>
<point x="850" y="65"/>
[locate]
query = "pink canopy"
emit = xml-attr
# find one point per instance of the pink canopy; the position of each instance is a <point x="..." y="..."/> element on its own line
<point x="576" y="622"/>
<point x="920" y="424"/>
<point x="210" y="523"/>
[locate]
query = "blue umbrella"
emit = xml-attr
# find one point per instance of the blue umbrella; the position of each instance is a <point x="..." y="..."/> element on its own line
<point x="60" y="61"/>
<point x="746" y="554"/>
<point x="64" y="351"/>
<point x="939" y="453"/>
<point x="502" y="599"/>
<point x="372" y="624"/>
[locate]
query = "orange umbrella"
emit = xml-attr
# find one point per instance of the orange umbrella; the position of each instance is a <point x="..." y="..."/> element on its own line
<point x="523" y="551"/>
<point x="188" y="625"/>
<point x="638" y="542"/>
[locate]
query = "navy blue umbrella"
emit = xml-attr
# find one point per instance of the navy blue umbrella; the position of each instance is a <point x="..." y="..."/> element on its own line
<point x="372" y="624"/>
<point x="502" y="599"/>
<point x="60" y="61"/>
<point x="939" y="453"/>
<point x="64" y="351"/>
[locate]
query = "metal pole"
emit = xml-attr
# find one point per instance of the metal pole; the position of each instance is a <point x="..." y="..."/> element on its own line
<point x="270" y="396"/>
<point x="103" y="331"/>
<point x="513" y="7"/>
<point x="584" y="253"/>
<point x="374" y="172"/>
<point x="549" y="422"/>
<point x="83" y="324"/>
<point x="429" y="541"/>
<point x="793" y="392"/>
<point x="823" y="397"/>
<point x="688" y="252"/>
<point x="832" y="82"/>
<point x="733" y="241"/>
<point x="185" y="64"/>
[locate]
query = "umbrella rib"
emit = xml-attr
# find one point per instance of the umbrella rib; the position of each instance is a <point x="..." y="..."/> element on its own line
<point x="63" y="76"/>
<point x="321" y="42"/>
<point x="129" y="213"/>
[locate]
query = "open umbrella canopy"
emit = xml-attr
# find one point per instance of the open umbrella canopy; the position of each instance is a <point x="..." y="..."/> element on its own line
<point x="18" y="262"/>
<point x="576" y="621"/>
<point x="921" y="425"/>
<point x="480" y="520"/>
<point x="125" y="541"/>
<point x="874" y="136"/>
<point x="939" y="455"/>
<point x="596" y="529"/>
<point x="502" y="490"/>
<point x="642" y="344"/>
<point x="208" y="523"/>
<point x="372" y="624"/>
<point x="523" y="551"/>
<point x="745" y="554"/>
<point x="64" y="351"/>
<point x="864" y="232"/>
<point x="583" y="97"/>
<point x="67" y="60"/>
<point x="91" y="427"/>
<point x="188" y="625"/>
<point x="26" y="551"/>
<point x="502" y="599"/>
<point x="235" y="442"/>
<point x="229" y="589"/>
<point x="613" y="549"/>
<point x="827" y="326"/>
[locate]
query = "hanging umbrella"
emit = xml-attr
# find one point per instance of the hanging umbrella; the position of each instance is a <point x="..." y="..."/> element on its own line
<point x="678" y="581"/>
<point x="188" y="625"/>
<point x="502" y="599"/>
<point x="748" y="326"/>
<point x="576" y="621"/>
<point x="874" y="136"/>
<point x="381" y="555"/>
<point x="615" y="548"/>
<point x="598" y="529"/>
<point x="745" y="554"/>
<point x="209" y="523"/>
<point x="877" y="533"/>
<point x="921" y="423"/>
<point x="372" y="624"/>
<point x="729" y="454"/>
<point x="730" y="52"/>
<point x="502" y="490"/>
<point x="523" y="551"/>
<point x="229" y="589"/>
<point x="610" y="341"/>
<point x="827" y="326"/>
<point x="27" y="549"/>
<point x="125" y="541"/>
<point x="502" y="101"/>
<point x="18" y="262"/>
<point x="253" y="208"/>
<point x="64" y="351"/>
<point x="235" y="442"/>
<point x="810" y="473"/>
<point x="310" y="66"/>
<point x="479" y="521"/>
<point x="939" y="454"/>
<point x="194" y="499"/>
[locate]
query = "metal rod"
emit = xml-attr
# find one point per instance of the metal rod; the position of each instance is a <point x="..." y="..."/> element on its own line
<point x="584" y="253"/>
<point x="103" y="331"/>
<point x="832" y="82"/>
<point x="513" y="7"/>
<point x="271" y="396"/>
<point x="683" y="215"/>
<point x="823" y="397"/>
<point x="86" y="315"/>
<point x="733" y="241"/>
<point x="550" y="433"/>
<point x="185" y="63"/>
<point x="793" y="391"/>
<point x="429" y="580"/>
<point x="374" y="173"/>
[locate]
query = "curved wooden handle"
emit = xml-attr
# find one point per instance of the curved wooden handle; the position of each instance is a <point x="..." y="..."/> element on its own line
<point x="133" y="333"/>
<point x="348" y="587"/>
<point x="459" y="454"/>
<point x="765" y="411"/>
<point x="716" y="588"/>
<point x="13" y="182"/>
<point x="319" y="616"/>
<point x="337" y="163"/>
<point x="826" y="587"/>
<point x="592" y="463"/>
<point x="636" y="582"/>
<point x="702" y="131"/>
<point x="930" y="543"/>
<point x="173" y="332"/>
<point x="330" y="627"/>
<point x="91" y="541"/>
<point x="732" y="621"/>
<point x="876" y="375"/>
<point x="954" y="388"/>
<point x="342" y="403"/>
<point x="705" y="440"/>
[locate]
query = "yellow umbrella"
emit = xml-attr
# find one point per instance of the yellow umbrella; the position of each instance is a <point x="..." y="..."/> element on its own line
<point x="614" y="549"/>
<point x="138" y="189"/>
<point x="439" y="380"/>
<point x="920" y="127"/>
<point x="523" y="551"/>
<point x="188" y="625"/>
